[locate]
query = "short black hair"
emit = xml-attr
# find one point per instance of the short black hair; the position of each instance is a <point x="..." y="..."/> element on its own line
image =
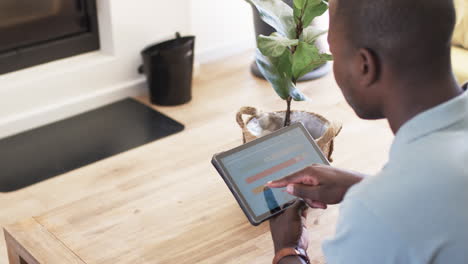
<point x="405" y="32"/>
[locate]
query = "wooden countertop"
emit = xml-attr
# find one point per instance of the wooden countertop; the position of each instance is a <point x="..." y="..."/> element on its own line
<point x="163" y="202"/>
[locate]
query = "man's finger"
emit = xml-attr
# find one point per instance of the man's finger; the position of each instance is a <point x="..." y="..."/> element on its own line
<point x="318" y="205"/>
<point x="315" y="204"/>
<point x="305" y="192"/>
<point x="303" y="177"/>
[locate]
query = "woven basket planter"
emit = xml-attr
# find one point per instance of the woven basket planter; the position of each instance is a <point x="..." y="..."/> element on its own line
<point x="259" y="124"/>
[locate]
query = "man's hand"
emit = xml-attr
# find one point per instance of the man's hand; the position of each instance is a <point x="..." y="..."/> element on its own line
<point x="288" y="229"/>
<point x="318" y="185"/>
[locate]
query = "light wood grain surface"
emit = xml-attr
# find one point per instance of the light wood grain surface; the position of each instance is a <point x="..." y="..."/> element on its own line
<point x="163" y="202"/>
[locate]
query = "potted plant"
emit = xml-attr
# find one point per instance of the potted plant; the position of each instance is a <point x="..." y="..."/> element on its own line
<point x="284" y="57"/>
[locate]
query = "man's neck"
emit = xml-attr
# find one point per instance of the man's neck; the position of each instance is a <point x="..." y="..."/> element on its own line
<point x="408" y="99"/>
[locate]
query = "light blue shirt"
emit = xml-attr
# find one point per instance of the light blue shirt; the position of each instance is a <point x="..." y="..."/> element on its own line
<point x="416" y="209"/>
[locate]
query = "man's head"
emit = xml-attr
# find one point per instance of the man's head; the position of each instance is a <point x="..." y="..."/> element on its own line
<point x="378" y="43"/>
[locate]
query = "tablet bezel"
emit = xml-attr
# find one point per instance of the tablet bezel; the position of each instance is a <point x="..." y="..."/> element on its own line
<point x="217" y="162"/>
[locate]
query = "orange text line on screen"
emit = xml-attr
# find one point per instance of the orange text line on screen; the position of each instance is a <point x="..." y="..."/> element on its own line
<point x="274" y="169"/>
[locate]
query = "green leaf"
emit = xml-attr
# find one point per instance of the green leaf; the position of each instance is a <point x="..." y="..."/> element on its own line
<point x="297" y="10"/>
<point x="306" y="58"/>
<point x="278" y="71"/>
<point x="278" y="15"/>
<point x="275" y="44"/>
<point x="297" y="15"/>
<point x="313" y="9"/>
<point x="299" y="4"/>
<point x="297" y="95"/>
<point x="311" y="34"/>
<point x="306" y="10"/>
<point x="326" y="57"/>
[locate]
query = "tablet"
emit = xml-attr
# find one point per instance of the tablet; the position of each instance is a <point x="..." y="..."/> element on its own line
<point x="246" y="169"/>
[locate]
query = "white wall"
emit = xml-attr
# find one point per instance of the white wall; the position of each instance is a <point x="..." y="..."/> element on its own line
<point x="53" y="91"/>
<point x="222" y="27"/>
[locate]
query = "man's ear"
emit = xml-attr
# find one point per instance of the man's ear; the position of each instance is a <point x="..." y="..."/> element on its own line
<point x="369" y="67"/>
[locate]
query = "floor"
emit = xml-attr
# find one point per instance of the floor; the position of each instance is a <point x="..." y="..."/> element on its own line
<point x="102" y="133"/>
<point x="223" y="77"/>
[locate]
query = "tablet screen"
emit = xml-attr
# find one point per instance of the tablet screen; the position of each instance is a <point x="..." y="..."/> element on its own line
<point x="270" y="158"/>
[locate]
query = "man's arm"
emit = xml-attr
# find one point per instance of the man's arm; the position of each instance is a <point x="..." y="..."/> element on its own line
<point x="361" y="237"/>
<point x="319" y="185"/>
<point x="288" y="231"/>
<point x="292" y="260"/>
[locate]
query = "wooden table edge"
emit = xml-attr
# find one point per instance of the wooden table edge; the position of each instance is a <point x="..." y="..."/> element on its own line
<point x="29" y="242"/>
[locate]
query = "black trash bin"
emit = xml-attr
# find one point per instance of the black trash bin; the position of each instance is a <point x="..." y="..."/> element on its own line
<point x="168" y="67"/>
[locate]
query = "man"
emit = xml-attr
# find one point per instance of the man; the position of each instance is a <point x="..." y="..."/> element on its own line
<point x="392" y="60"/>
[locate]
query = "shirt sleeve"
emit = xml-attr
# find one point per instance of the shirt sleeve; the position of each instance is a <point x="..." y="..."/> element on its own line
<point x="362" y="238"/>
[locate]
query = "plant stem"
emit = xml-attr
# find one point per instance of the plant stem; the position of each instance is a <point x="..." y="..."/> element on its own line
<point x="299" y="30"/>
<point x="287" y="117"/>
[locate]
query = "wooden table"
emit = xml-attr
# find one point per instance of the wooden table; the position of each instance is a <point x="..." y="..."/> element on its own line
<point x="163" y="202"/>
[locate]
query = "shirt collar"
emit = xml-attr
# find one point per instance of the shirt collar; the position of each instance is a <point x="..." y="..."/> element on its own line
<point x="429" y="121"/>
